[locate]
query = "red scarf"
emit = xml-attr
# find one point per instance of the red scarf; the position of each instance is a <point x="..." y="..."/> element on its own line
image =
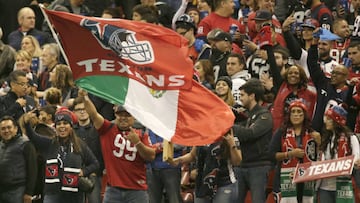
<point x="343" y="146"/>
<point x="289" y="143"/>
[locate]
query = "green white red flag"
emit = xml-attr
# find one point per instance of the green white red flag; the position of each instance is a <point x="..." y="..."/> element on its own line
<point x="146" y="69"/>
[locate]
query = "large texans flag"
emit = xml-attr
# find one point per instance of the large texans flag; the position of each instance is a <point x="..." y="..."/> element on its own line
<point x="145" y="68"/>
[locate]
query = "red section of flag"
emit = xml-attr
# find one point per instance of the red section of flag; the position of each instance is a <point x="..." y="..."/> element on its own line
<point x="324" y="169"/>
<point x="151" y="54"/>
<point x="203" y="118"/>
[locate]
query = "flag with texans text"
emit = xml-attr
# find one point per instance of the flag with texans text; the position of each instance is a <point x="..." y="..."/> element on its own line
<point x="145" y="68"/>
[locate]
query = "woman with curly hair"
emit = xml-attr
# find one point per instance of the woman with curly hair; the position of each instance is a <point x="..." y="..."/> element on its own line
<point x="295" y="142"/>
<point x="294" y="86"/>
<point x="336" y="141"/>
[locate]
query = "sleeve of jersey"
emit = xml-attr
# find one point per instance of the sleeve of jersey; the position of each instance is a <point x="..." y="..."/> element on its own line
<point x="203" y="28"/>
<point x="145" y="139"/>
<point x="105" y="127"/>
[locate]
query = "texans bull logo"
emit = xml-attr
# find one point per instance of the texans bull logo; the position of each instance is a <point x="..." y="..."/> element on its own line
<point x="52" y="170"/>
<point x="70" y="180"/>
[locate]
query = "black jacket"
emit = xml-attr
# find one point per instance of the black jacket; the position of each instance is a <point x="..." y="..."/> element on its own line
<point x="18" y="166"/>
<point x="9" y="106"/>
<point x="255" y="137"/>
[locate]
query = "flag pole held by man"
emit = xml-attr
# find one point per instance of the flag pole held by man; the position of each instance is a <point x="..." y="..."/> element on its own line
<point x="145" y="68"/>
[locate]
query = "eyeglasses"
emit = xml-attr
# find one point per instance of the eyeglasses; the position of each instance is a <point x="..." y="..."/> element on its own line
<point x="81" y="110"/>
<point x="123" y="114"/>
<point x="183" y="33"/>
<point x="338" y="73"/>
<point x="22" y="84"/>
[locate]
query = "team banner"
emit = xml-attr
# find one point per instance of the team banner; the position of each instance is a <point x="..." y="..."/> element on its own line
<point x="153" y="55"/>
<point x="144" y="68"/>
<point x="324" y="169"/>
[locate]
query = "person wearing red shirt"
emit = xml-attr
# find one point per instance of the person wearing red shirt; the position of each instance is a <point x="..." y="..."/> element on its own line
<point x="220" y="18"/>
<point x="125" y="151"/>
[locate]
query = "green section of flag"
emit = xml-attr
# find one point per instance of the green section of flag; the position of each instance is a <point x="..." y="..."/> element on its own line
<point x="111" y="88"/>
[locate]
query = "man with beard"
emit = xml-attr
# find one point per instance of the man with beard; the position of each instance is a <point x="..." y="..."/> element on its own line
<point x="254" y="140"/>
<point x="327" y="63"/>
<point x="125" y="151"/>
<point x="220" y="50"/>
<point x="354" y="56"/>
<point x="341" y="28"/>
<point x="330" y="91"/>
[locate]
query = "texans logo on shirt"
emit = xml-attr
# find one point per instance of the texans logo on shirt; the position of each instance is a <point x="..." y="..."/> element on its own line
<point x="210" y="178"/>
<point x="52" y="170"/>
<point x="70" y="179"/>
<point x="310" y="150"/>
<point x="344" y="146"/>
<point x="288" y="148"/>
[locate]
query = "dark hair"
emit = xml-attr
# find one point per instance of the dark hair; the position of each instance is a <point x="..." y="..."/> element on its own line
<point x="74" y="139"/>
<point x="215" y="4"/>
<point x="254" y="86"/>
<point x="283" y="51"/>
<point x="240" y="58"/>
<point x="16" y="74"/>
<point x="77" y="100"/>
<point x="145" y="9"/>
<point x="49" y="109"/>
<point x="338" y="131"/>
<point x="306" y="125"/>
<point x="5" y="118"/>
<point x="116" y="12"/>
<point x="303" y="78"/>
<point x="150" y="18"/>
<point x="354" y="44"/>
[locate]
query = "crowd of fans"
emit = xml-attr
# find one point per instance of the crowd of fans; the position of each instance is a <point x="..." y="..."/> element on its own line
<point x="289" y="71"/>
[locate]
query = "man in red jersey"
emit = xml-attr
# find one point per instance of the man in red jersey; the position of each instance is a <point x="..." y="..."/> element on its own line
<point x="220" y="18"/>
<point x="125" y="151"/>
<point x="342" y="29"/>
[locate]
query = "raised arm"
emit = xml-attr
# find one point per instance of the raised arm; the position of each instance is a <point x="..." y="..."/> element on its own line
<point x="96" y="118"/>
<point x="292" y="44"/>
<point x="41" y="143"/>
<point x="316" y="74"/>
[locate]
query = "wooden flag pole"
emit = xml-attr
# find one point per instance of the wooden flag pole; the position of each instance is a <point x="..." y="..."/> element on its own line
<point x="168" y="151"/>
